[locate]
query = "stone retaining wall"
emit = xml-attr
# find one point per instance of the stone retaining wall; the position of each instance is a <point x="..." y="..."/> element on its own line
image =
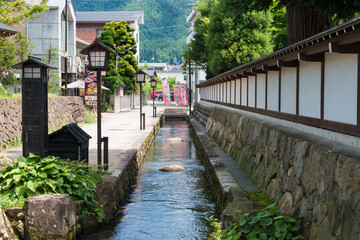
<point x="61" y="110"/>
<point x="306" y="176"/>
<point x="60" y="221"/>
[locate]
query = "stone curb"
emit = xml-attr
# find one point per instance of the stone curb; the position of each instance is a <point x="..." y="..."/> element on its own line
<point x="229" y="195"/>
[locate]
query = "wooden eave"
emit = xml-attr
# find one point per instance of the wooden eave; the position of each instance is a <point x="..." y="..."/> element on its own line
<point x="344" y="38"/>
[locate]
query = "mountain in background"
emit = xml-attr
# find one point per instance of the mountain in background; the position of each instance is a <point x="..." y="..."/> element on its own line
<point x="163" y="35"/>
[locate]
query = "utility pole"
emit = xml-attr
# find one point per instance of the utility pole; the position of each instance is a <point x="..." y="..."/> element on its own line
<point x="189" y="87"/>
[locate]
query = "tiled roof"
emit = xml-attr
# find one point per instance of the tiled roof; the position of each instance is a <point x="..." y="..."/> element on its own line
<point x="129" y="16"/>
<point x="6" y="31"/>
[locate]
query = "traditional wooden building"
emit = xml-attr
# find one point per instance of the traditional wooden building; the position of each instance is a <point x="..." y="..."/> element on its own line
<point x="312" y="85"/>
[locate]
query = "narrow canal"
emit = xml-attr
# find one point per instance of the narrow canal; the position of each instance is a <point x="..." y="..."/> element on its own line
<point x="166" y="205"/>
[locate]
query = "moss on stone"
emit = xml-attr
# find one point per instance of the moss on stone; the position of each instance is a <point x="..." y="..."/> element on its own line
<point x="259" y="199"/>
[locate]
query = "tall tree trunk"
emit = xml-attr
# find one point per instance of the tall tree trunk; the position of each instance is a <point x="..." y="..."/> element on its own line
<point x="303" y="22"/>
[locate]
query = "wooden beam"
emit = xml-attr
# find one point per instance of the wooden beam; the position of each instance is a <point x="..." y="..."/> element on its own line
<point x="294" y="63"/>
<point x="348" y="48"/>
<point x="246" y="74"/>
<point x="319" y="57"/>
<point x="270" y="68"/>
<point x="255" y="71"/>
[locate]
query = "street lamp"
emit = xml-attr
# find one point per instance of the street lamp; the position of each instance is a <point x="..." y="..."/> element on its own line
<point x="98" y="60"/>
<point x="153" y="83"/>
<point x="140" y="78"/>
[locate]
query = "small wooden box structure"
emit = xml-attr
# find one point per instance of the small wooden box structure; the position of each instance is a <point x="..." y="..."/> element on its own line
<point x="70" y="142"/>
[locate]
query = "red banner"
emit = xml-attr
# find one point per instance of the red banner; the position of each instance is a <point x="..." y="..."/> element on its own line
<point x="183" y="96"/>
<point x="177" y="95"/>
<point x="166" y="94"/>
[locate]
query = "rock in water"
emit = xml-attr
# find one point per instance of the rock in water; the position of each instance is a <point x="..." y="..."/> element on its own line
<point x="172" y="168"/>
<point x="175" y="139"/>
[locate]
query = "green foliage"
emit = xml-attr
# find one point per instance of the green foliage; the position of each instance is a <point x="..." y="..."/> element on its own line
<point x="172" y="81"/>
<point x="89" y="116"/>
<point x="35" y="175"/>
<point x="117" y="36"/>
<point x="52" y="56"/>
<point x="13" y="142"/>
<point x="164" y="32"/>
<point x="24" y="10"/>
<point x="269" y="223"/>
<point x="227" y="36"/>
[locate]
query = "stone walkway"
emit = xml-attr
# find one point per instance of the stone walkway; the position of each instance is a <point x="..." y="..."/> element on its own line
<point x="123" y="130"/>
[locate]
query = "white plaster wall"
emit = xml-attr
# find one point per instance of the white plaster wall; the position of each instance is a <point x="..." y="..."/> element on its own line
<point x="260" y="102"/>
<point x="228" y="92"/>
<point x="232" y="92"/>
<point x="244" y="91"/>
<point x="288" y="90"/>
<point x="310" y="89"/>
<point x="251" y="91"/>
<point x="341" y="87"/>
<point x="273" y="91"/>
<point x="238" y="91"/>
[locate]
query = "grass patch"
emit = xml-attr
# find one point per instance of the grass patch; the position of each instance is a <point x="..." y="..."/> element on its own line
<point x="89" y="116"/>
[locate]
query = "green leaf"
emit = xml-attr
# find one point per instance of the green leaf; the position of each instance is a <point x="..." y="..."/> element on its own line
<point x="52" y="171"/>
<point x="266" y="221"/>
<point x="31" y="185"/>
<point x="263" y="236"/>
<point x="20" y="191"/>
<point x="17" y="177"/>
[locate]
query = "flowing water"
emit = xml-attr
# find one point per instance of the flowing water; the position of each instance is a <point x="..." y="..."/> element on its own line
<point x="166" y="205"/>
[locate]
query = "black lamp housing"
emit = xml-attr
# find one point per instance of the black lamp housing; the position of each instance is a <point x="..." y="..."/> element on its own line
<point x="98" y="55"/>
<point x="140" y="76"/>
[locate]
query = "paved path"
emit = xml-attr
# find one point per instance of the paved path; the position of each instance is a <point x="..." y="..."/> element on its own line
<point x="123" y="130"/>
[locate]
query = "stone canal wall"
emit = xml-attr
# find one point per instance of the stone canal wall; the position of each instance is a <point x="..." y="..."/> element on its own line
<point x="56" y="216"/>
<point x="308" y="177"/>
<point x="62" y="110"/>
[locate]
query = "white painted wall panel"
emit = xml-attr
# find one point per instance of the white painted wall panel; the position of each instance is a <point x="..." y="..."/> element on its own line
<point x="244" y="91"/>
<point x="260" y="91"/>
<point x="228" y="92"/>
<point x="223" y="92"/>
<point x="238" y="92"/>
<point x="288" y="90"/>
<point x="310" y="89"/>
<point x="232" y="92"/>
<point x="341" y="87"/>
<point x="251" y="91"/>
<point x="273" y="91"/>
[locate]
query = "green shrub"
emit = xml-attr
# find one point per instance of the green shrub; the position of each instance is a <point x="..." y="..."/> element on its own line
<point x="35" y="175"/>
<point x="269" y="223"/>
<point x="89" y="116"/>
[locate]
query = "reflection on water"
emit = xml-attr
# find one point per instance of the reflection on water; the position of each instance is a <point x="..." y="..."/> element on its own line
<point x="166" y="205"/>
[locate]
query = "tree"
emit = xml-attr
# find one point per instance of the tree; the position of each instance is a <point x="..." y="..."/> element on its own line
<point x="23" y="9"/>
<point x="308" y="17"/>
<point x="13" y="51"/>
<point x="227" y="36"/>
<point x="117" y="36"/>
<point x="172" y="81"/>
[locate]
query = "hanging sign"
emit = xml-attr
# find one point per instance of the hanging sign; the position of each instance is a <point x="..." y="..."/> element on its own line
<point x="91" y="90"/>
<point x="183" y="95"/>
<point x="177" y="95"/>
<point x="166" y="94"/>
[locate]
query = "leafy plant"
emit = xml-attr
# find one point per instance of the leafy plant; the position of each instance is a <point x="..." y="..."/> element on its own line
<point x="35" y="175"/>
<point x="89" y="116"/>
<point x="269" y="223"/>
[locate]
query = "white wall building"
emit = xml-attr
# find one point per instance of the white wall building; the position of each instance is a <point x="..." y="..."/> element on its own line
<point x="55" y="29"/>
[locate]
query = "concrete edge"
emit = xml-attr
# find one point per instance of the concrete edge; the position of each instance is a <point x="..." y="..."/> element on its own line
<point x="230" y="195"/>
